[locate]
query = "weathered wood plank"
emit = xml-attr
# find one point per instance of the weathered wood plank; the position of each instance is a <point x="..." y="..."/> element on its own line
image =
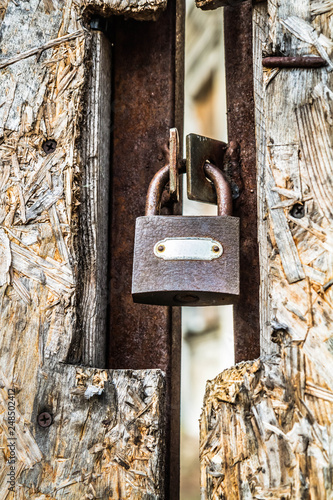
<point x="299" y="157"/>
<point x="107" y="446"/>
<point x="105" y="440"/>
<point x="94" y="207"/>
<point x="290" y="260"/>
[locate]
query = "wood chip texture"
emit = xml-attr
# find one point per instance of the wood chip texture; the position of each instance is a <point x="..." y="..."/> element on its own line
<point x="266" y="426"/>
<point x="266" y="431"/>
<point x="106" y="440"/>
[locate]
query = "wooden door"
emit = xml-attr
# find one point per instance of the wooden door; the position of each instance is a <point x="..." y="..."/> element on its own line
<point x="74" y="422"/>
<point x="266" y="425"/>
<point x="89" y="382"/>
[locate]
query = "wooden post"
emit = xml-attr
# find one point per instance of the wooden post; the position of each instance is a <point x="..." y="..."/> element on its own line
<point x="266" y="429"/>
<point x="69" y="427"/>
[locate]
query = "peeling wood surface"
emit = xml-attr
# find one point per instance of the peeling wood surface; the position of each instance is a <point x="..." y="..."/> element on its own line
<point x="105" y="440"/>
<point x="266" y="426"/>
<point x="94" y="207"/>
<point x="44" y="81"/>
<point x="266" y="431"/>
<point x="293" y="109"/>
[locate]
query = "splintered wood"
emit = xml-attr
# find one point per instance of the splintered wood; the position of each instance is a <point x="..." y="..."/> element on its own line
<point x="106" y="440"/>
<point x="266" y="426"/>
<point x="266" y="431"/>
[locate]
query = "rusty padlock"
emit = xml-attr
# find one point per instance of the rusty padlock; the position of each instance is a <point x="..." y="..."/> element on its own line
<point x="186" y="260"/>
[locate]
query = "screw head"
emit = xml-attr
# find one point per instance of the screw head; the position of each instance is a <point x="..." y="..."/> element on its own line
<point x="161" y="248"/>
<point x="44" y="419"/>
<point x="216" y="249"/>
<point x="49" y="146"/>
<point x="298" y="211"/>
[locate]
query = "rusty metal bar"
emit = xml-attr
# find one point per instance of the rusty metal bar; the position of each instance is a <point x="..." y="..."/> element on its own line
<point x="293" y="62"/>
<point x="241" y="130"/>
<point x="147" y="102"/>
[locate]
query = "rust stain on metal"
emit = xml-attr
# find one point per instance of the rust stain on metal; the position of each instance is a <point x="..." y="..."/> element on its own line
<point x="142" y="117"/>
<point x="146" y="105"/>
<point x="201" y="281"/>
<point x="293" y="62"/>
<point x="186" y="280"/>
<point x="240" y="102"/>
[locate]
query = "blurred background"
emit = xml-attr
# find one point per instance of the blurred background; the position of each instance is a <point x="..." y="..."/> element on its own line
<point x="207" y="347"/>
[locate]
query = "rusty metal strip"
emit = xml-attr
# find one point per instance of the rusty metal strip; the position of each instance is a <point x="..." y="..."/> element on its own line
<point x="146" y="104"/>
<point x="215" y="4"/>
<point x="241" y="129"/>
<point x="294" y="62"/>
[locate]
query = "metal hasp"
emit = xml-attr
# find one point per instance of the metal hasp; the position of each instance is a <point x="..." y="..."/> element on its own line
<point x="185" y="277"/>
<point x="199" y="151"/>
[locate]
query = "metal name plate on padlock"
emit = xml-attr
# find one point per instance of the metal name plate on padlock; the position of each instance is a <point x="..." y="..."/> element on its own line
<point x="185" y="260"/>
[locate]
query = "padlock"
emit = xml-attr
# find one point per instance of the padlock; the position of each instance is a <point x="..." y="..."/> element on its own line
<point x="186" y="260"/>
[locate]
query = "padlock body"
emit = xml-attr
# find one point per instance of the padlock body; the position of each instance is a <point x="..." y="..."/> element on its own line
<point x="188" y="280"/>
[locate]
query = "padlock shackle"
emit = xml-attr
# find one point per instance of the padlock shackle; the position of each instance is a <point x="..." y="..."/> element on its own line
<point x="222" y="188"/>
<point x="155" y="190"/>
<point x="158" y="182"/>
